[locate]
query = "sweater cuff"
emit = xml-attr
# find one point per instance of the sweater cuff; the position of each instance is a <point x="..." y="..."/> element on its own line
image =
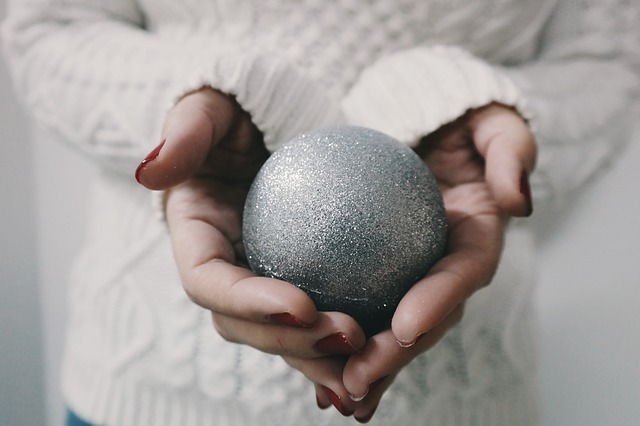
<point x="281" y="101"/>
<point x="413" y="92"/>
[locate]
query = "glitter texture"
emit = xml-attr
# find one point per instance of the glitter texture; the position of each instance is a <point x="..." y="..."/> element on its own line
<point x="349" y="215"/>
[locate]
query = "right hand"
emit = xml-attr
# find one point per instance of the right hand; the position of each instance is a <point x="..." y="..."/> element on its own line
<point x="212" y="152"/>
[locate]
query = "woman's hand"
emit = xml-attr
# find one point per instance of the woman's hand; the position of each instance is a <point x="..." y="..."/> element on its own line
<point x="482" y="162"/>
<point x="210" y="155"/>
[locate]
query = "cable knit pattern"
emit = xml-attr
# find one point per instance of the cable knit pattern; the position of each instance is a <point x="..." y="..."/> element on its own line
<point x="102" y="75"/>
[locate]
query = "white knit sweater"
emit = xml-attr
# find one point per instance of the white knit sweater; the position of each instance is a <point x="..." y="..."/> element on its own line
<point x="102" y="74"/>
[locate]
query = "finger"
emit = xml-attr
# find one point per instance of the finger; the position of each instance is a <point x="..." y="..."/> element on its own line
<point x="326" y="374"/>
<point x="195" y="124"/>
<point x="365" y="415"/>
<point x="333" y="334"/>
<point x="205" y="258"/>
<point x="369" y="373"/>
<point x="322" y="399"/>
<point x="505" y="141"/>
<point x="234" y="291"/>
<point x="447" y="155"/>
<point x="474" y="246"/>
<point x="371" y="401"/>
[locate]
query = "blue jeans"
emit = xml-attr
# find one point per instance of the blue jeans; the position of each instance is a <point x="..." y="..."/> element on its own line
<point x="74" y="420"/>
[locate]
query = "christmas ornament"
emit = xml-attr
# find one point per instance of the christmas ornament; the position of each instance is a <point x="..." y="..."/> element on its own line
<point x="348" y="214"/>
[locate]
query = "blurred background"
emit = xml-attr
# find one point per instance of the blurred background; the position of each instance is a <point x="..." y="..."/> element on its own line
<point x="587" y="298"/>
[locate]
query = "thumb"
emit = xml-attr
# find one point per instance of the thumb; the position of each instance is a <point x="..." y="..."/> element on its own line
<point x="508" y="147"/>
<point x="192" y="127"/>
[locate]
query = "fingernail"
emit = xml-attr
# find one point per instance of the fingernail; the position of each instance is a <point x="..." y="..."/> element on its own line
<point x="407" y="344"/>
<point x="525" y="190"/>
<point x="336" y="401"/>
<point x="288" y="319"/>
<point x="371" y="387"/>
<point x="359" y="398"/>
<point x="149" y="158"/>
<point x="335" y="344"/>
<point x="368" y="417"/>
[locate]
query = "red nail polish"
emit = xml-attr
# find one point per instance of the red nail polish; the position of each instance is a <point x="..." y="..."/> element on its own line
<point x="288" y="319"/>
<point x="336" y="401"/>
<point x="335" y="344"/>
<point x="149" y="158"/>
<point x="525" y="189"/>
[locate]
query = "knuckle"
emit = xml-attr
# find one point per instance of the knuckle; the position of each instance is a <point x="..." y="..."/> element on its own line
<point x="193" y="286"/>
<point x="279" y="345"/>
<point x="219" y="324"/>
<point x="457" y="315"/>
<point x="189" y="290"/>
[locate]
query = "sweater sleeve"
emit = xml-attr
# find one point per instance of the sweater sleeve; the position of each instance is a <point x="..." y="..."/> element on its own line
<point x="584" y="91"/>
<point x="580" y="93"/>
<point x="93" y="73"/>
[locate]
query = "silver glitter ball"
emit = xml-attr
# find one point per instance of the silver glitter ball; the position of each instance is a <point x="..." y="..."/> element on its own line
<point x="348" y="214"/>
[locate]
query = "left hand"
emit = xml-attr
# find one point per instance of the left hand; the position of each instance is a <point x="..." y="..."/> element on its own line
<point x="210" y="155"/>
<point x="482" y="161"/>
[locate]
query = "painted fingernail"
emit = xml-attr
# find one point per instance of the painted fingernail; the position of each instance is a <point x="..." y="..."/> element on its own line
<point x="335" y="344"/>
<point x="372" y="386"/>
<point x="288" y="319"/>
<point x="148" y="159"/>
<point x="525" y="190"/>
<point x="336" y="401"/>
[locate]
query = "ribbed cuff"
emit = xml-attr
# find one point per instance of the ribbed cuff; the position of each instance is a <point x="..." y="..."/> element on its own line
<point x="281" y="100"/>
<point x="413" y="92"/>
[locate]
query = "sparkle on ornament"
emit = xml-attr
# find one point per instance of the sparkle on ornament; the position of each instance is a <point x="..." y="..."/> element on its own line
<point x="348" y="214"/>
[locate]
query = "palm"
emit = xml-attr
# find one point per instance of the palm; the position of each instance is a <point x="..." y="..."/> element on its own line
<point x="473" y="248"/>
<point x="476" y="228"/>
<point x="480" y="161"/>
<point x="473" y="214"/>
<point x="215" y="195"/>
<point x="211" y="155"/>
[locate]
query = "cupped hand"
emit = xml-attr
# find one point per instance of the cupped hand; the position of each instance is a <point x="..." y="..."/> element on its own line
<point x="210" y="155"/>
<point x="482" y="162"/>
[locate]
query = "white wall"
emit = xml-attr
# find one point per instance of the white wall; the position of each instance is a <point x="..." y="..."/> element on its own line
<point x="43" y="185"/>
<point x="21" y="356"/>
<point x="589" y="303"/>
